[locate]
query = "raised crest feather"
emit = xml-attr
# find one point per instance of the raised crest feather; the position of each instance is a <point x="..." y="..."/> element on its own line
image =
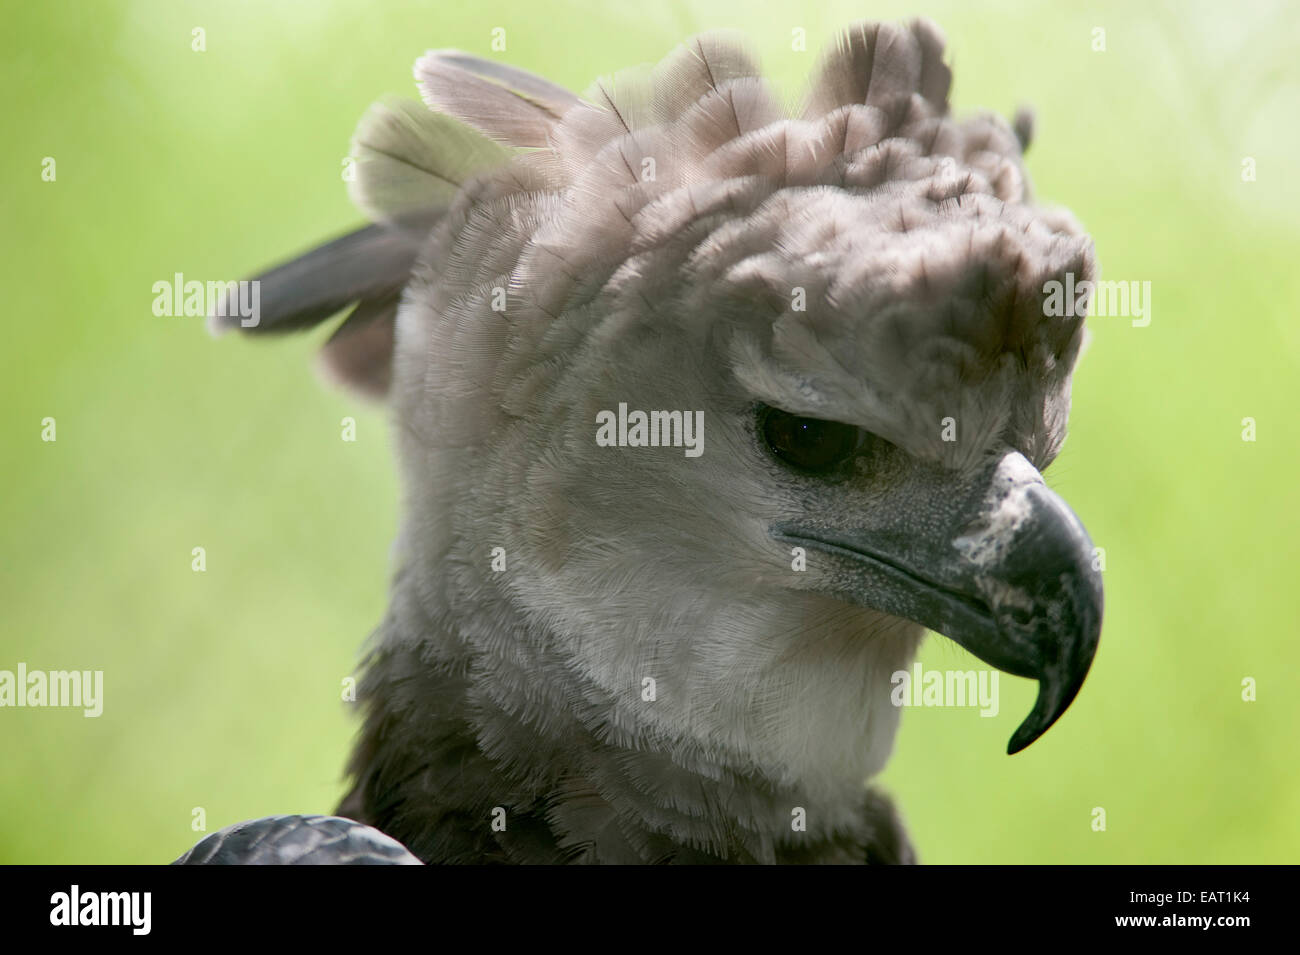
<point x="510" y="105"/>
<point x="412" y="161"/>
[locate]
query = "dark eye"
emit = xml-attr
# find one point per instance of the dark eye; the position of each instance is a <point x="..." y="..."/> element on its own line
<point x="809" y="444"/>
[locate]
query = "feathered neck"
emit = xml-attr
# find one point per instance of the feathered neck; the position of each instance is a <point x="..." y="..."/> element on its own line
<point x="462" y="773"/>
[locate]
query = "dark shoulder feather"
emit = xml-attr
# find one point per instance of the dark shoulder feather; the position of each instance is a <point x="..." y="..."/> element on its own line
<point x="298" y="840"/>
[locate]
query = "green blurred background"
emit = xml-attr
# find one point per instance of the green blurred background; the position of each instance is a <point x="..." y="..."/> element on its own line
<point x="222" y="689"/>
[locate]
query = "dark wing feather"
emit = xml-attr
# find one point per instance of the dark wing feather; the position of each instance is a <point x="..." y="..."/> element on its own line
<point x="372" y="263"/>
<point x="359" y="353"/>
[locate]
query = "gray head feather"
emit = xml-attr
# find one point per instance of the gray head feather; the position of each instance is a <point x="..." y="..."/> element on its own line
<point x="675" y="239"/>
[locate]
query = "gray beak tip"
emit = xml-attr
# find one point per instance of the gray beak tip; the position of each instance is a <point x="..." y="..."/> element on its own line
<point x="1026" y="733"/>
<point x="1055" y="694"/>
<point x="1040" y="719"/>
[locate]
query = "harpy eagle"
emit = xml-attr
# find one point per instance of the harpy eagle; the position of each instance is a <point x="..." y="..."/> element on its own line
<point x="637" y="651"/>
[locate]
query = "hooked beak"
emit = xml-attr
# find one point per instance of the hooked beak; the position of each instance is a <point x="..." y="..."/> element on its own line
<point x="1010" y="577"/>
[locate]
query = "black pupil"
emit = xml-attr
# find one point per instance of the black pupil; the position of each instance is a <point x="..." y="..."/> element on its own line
<point x="809" y="443"/>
